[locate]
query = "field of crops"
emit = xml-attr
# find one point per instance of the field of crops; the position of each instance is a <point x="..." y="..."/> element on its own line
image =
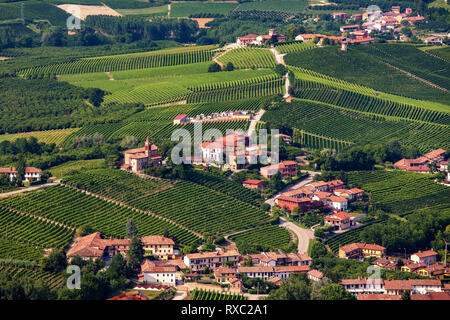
<point x="398" y="191"/>
<point x="115" y="184"/>
<point x="200" y="294"/>
<point x="224" y="186"/>
<point x="194" y="9"/>
<point x="61" y="170"/>
<point x="76" y="209"/>
<point x="294" y="47"/>
<point x="315" y="141"/>
<point x="11" y="249"/>
<point x="249" y="58"/>
<point x="349" y="126"/>
<point x="363" y="68"/>
<point x="47" y="136"/>
<point x="353" y="100"/>
<point x="290" y="6"/>
<point x="344" y="238"/>
<point x="153" y="59"/>
<point x="202" y="209"/>
<point x="53" y="280"/>
<point x="268" y="237"/>
<point x="29" y="229"/>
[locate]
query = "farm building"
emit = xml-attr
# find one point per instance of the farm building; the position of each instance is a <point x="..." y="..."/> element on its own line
<point x="137" y="159"/>
<point x="151" y="273"/>
<point x="340" y="219"/>
<point x="361" y="250"/>
<point x="254" y="184"/>
<point x="31" y="173"/>
<point x="286" y="168"/>
<point x="254" y="39"/>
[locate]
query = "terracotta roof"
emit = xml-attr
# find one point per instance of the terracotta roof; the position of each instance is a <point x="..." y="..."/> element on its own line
<point x="253" y="181"/>
<point x="355" y="246"/>
<point x="91" y="245"/>
<point x="293" y="199"/>
<point x="336" y="199"/>
<point x="424" y="254"/>
<point x="180" y="116"/>
<point x="335" y="182"/>
<point x="150" y="266"/>
<point x="224" y="270"/>
<point x="27" y="170"/>
<point x="214" y="254"/>
<point x="315" y="273"/>
<point x="255" y="269"/>
<point x="130" y="296"/>
<point x="378" y="296"/>
<point x="356" y="190"/>
<point x="156" y="240"/>
<point x="291" y="269"/>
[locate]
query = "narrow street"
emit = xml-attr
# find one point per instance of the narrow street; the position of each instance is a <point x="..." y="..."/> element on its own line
<point x="253" y="122"/>
<point x="26" y="189"/>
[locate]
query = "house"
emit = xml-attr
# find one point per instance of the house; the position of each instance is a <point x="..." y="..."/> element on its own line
<point x="349" y="28"/>
<point x="132" y="295"/>
<point x="319" y="185"/>
<point x="315" y="275"/>
<point x="284" y="272"/>
<point x="321" y="196"/>
<point x="224" y="274"/>
<point x="158" y="246"/>
<point x="286" y="168"/>
<point x="356" y="16"/>
<point x="428" y="257"/>
<point x="289" y="203"/>
<point x="344" y="193"/>
<point x="443" y="166"/>
<point x="415" y="286"/>
<point x="335" y="184"/>
<point x="93" y="246"/>
<point x="337" y="203"/>
<point x="308" y="37"/>
<point x="31" y="173"/>
<point x="339" y="15"/>
<point x="278" y="258"/>
<point x="412" y="267"/>
<point x="433" y="40"/>
<point x="340" y="219"/>
<point x="361" y="250"/>
<point x="434" y="271"/>
<point x="151" y="273"/>
<point x="379" y="296"/>
<point x="413" y="20"/>
<point x="263" y="272"/>
<point x="276" y="281"/>
<point x="137" y="159"/>
<point x="255" y="184"/>
<point x="254" y="39"/>
<point x="179" y="119"/>
<point x="361" y="41"/>
<point x="395" y="9"/>
<point x="363" y="285"/>
<point x="212" y="260"/>
<point x="357" y="193"/>
<point x="298" y="259"/>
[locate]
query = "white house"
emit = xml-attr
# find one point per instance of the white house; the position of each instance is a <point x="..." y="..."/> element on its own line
<point x="31" y="173"/>
<point x="158" y="274"/>
<point x="428" y="257"/>
<point x="337" y="203"/>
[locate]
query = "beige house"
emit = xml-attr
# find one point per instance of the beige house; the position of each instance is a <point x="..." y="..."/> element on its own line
<point x="137" y="159"/>
<point x="212" y="260"/>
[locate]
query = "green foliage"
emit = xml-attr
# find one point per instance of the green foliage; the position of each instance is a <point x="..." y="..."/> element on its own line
<point x="55" y="262"/>
<point x="296" y="287"/>
<point x="201" y="294"/>
<point x="214" y="67"/>
<point x="263" y="238"/>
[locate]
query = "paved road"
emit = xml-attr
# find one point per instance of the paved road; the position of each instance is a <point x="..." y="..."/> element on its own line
<point x="303" y="235"/>
<point x="179" y="295"/>
<point x="26" y="189"/>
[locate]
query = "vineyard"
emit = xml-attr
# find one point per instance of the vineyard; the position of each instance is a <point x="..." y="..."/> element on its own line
<point x="153" y="59"/>
<point x="53" y="280"/>
<point x="345" y="238"/>
<point x="10" y="249"/>
<point x="267" y="238"/>
<point x="356" y="101"/>
<point x="201" y="294"/>
<point x="47" y="136"/>
<point x="399" y="192"/>
<point x="294" y="47"/>
<point x="202" y="209"/>
<point x="76" y="209"/>
<point x="377" y="74"/>
<point x="341" y="126"/>
<point x="115" y="184"/>
<point x="32" y="230"/>
<point x="315" y="141"/>
<point x="249" y="58"/>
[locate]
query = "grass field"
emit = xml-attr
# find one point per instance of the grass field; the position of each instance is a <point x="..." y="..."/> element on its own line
<point x="289" y="6"/>
<point x="187" y="9"/>
<point x="152" y="11"/>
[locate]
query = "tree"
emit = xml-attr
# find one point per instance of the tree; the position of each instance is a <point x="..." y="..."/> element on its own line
<point x="20" y="168"/>
<point x="296" y="287"/>
<point x="55" y="262"/>
<point x="135" y="253"/>
<point x="335" y="291"/>
<point x="229" y="66"/>
<point x="276" y="182"/>
<point x="280" y="70"/>
<point x="96" y="96"/>
<point x="214" y="67"/>
<point x="129" y="142"/>
<point x="131" y="229"/>
<point x="406" y="295"/>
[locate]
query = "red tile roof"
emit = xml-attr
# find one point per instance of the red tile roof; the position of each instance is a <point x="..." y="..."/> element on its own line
<point x="180" y="116"/>
<point x="424" y="254"/>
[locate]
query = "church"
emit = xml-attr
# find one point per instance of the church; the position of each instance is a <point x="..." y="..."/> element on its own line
<point x="137" y="159"/>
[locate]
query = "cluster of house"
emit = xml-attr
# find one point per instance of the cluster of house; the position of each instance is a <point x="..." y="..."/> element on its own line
<point x="270" y="266"/>
<point x="421" y="164"/>
<point x="137" y="159"/>
<point x="254" y="39"/>
<point x="217" y="116"/>
<point x="322" y="195"/>
<point x="31" y="173"/>
<point x="423" y="263"/>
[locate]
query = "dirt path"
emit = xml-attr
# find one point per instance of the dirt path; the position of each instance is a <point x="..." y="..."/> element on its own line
<point x="110" y="76"/>
<point x="253" y="122"/>
<point x="26" y="189"/>
<point x="280" y="60"/>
